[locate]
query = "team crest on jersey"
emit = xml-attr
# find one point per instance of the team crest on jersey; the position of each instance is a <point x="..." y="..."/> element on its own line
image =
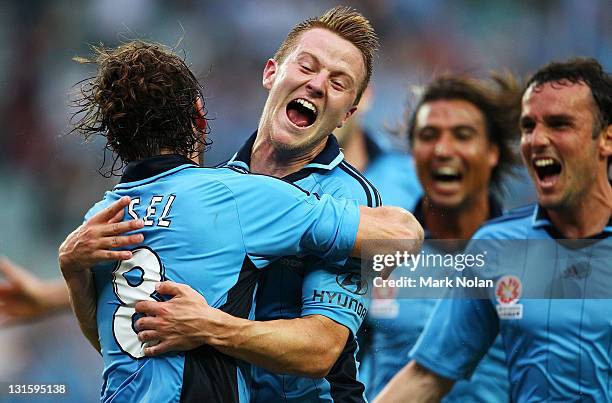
<point x="507" y="293"/>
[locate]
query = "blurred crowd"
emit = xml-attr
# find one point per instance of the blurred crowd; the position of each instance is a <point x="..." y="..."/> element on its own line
<point x="49" y="177"/>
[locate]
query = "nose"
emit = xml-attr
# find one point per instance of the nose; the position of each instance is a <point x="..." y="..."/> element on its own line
<point x="316" y="85"/>
<point x="539" y="137"/>
<point x="444" y="146"/>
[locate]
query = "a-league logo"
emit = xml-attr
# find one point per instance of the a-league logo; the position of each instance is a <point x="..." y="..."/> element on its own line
<point x="508" y="291"/>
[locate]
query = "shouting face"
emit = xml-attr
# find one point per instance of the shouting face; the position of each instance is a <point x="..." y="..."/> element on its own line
<point x="312" y="91"/>
<point x="557" y="144"/>
<point x="452" y="152"/>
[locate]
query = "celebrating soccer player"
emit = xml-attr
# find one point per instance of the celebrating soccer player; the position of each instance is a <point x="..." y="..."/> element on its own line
<point x="304" y="308"/>
<point x="556" y="349"/>
<point x="461" y="133"/>
<point x="210" y="228"/>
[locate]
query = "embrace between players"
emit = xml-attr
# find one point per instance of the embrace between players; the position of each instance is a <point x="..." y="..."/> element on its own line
<point x="219" y="233"/>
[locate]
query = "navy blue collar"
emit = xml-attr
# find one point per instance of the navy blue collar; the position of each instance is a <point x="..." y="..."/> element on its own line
<point x="244" y="153"/>
<point x="495" y="210"/>
<point x="149" y="167"/>
<point x="540" y="219"/>
<point x="327" y="159"/>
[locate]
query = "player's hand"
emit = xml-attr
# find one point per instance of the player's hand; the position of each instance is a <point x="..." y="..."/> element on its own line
<point x="182" y="323"/>
<point x="25" y="297"/>
<point x="93" y="242"/>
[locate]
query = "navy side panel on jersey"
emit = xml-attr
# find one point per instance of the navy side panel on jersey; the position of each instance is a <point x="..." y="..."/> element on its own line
<point x="211" y="229"/>
<point x="299" y="287"/>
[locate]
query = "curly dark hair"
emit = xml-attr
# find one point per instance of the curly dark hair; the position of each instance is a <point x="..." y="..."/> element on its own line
<point x="143" y="100"/>
<point x="588" y="71"/>
<point x="499" y="102"/>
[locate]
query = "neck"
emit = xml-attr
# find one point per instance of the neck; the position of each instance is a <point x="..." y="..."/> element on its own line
<point x="195" y="157"/>
<point x="270" y="160"/>
<point x="588" y="216"/>
<point x="355" y="151"/>
<point x="458" y="223"/>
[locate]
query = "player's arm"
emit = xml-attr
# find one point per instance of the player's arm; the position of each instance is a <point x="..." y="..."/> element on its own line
<point x="306" y="346"/>
<point x="82" y="294"/>
<point x="25" y="297"/>
<point x="294" y="222"/>
<point x="91" y="243"/>
<point x="393" y="228"/>
<point x="458" y="334"/>
<point x="415" y="383"/>
<point x="323" y="287"/>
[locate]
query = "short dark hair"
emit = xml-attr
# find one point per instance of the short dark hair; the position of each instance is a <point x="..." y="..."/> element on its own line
<point x="499" y="102"/>
<point x="346" y="23"/>
<point x="585" y="70"/>
<point x="142" y="100"/>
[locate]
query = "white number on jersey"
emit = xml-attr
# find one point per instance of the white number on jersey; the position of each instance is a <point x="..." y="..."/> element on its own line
<point x="134" y="280"/>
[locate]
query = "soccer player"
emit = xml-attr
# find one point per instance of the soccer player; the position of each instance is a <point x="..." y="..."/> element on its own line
<point x="461" y="133"/>
<point x="211" y="228"/>
<point x="556" y="349"/>
<point x="307" y="315"/>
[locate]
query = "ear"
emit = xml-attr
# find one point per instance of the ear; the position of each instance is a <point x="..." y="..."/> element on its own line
<point x="347" y="115"/>
<point x="493" y="155"/>
<point x="269" y="73"/>
<point x="605" y="142"/>
<point x="200" y="114"/>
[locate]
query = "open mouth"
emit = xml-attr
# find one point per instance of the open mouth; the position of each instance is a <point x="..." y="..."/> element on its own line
<point x="301" y="112"/>
<point x="547" y="169"/>
<point x="447" y="174"/>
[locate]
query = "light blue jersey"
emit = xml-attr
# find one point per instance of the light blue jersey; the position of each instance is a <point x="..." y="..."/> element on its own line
<point x="212" y="229"/>
<point x="394" y="176"/>
<point x="396" y="323"/>
<point x="557" y="349"/>
<point x="297" y="287"/>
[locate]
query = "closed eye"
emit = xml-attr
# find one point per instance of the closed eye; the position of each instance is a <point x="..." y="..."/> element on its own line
<point x="339" y="85"/>
<point x="464" y="132"/>
<point x="306" y="68"/>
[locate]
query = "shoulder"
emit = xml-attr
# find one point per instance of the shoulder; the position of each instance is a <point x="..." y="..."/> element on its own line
<point x="347" y="182"/>
<point x="106" y="201"/>
<point x="244" y="183"/>
<point x="512" y="225"/>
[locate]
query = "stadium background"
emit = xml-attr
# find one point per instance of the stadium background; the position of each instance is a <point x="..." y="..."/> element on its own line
<point x="48" y="179"/>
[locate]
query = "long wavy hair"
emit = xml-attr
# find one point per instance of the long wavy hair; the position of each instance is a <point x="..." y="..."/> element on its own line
<point x="143" y="100"/>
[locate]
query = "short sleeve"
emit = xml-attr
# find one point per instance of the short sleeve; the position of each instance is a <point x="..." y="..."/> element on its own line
<point x="337" y="293"/>
<point x="280" y="219"/>
<point x="458" y="334"/>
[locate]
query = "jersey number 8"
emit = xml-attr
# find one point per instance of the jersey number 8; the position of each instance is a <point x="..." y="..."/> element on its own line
<point x="134" y="280"/>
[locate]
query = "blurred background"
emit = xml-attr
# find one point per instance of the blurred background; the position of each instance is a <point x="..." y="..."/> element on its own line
<point x="48" y="179"/>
